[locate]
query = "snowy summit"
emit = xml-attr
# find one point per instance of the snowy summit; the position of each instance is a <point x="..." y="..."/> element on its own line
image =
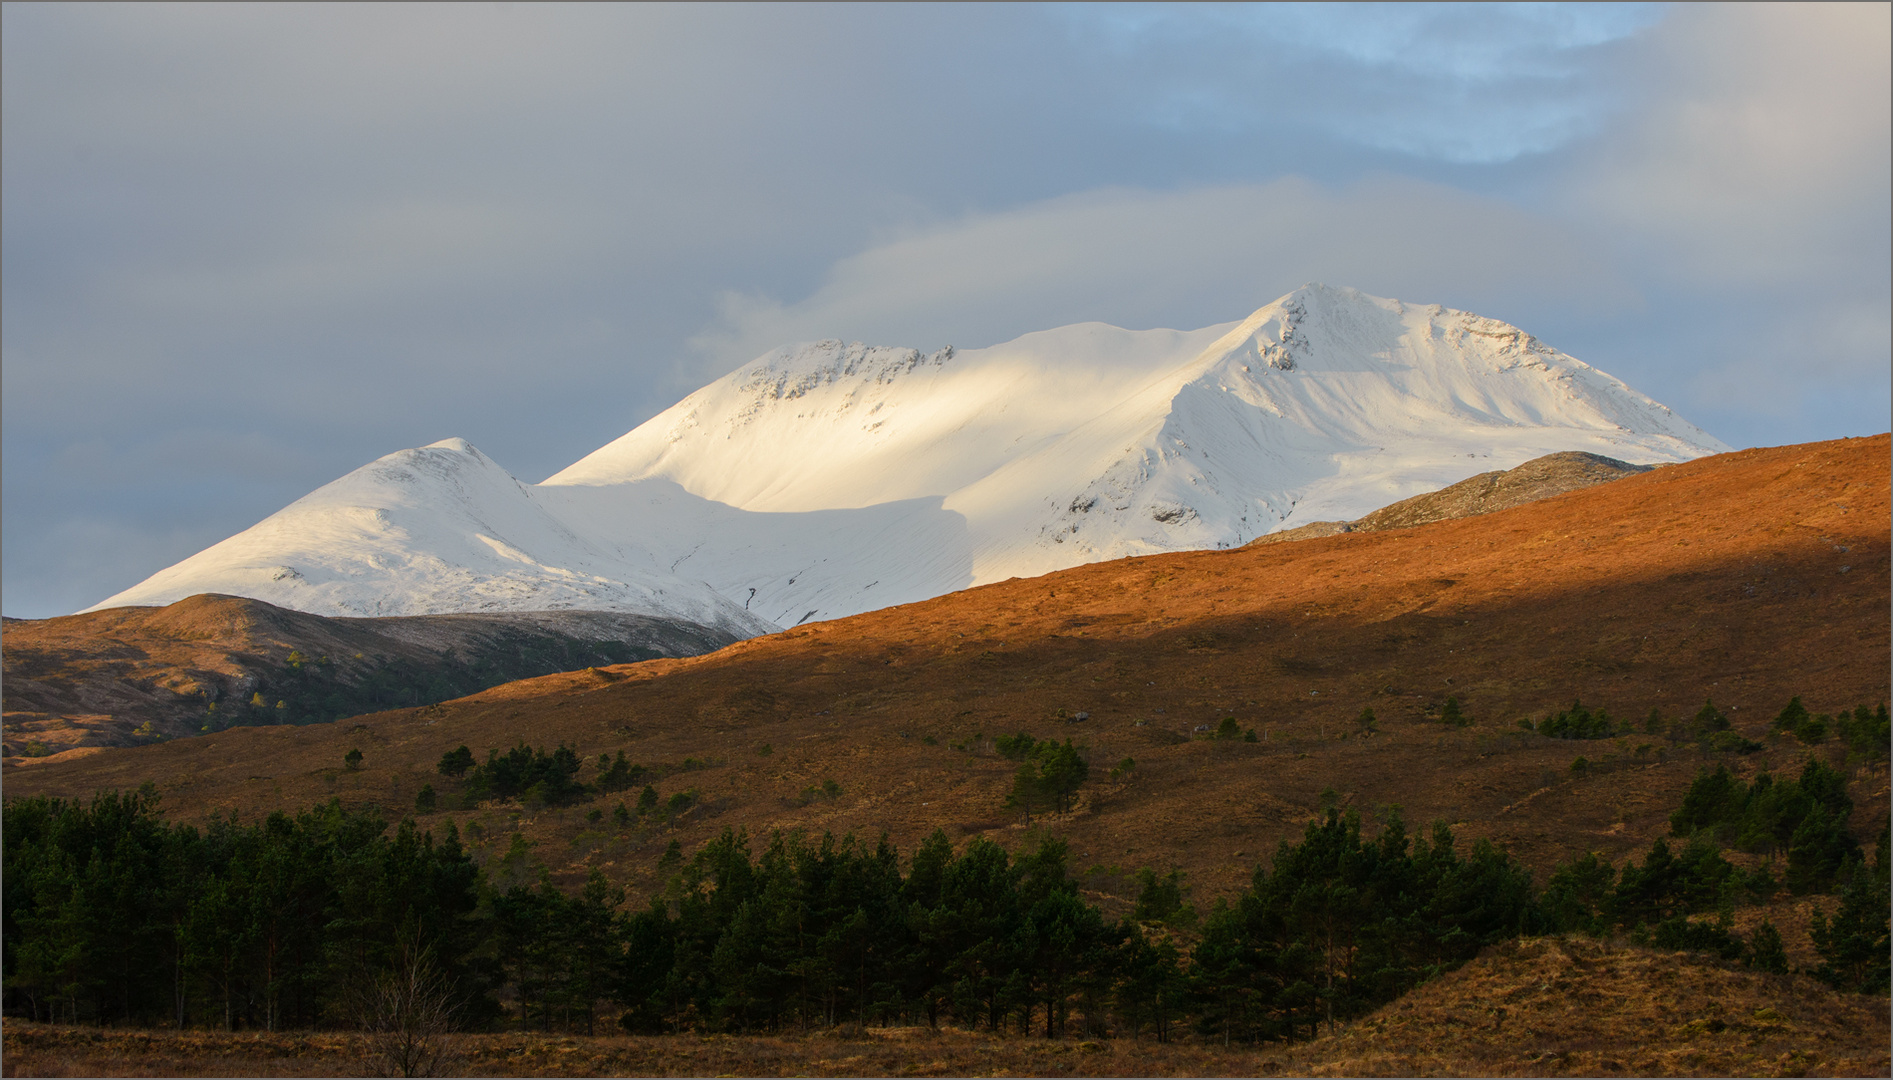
<point x="826" y="479"/>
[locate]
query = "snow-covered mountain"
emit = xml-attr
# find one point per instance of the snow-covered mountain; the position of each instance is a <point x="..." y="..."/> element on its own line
<point x="826" y="479"/>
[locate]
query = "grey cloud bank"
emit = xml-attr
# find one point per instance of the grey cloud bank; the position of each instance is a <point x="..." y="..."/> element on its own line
<point x="247" y="249"/>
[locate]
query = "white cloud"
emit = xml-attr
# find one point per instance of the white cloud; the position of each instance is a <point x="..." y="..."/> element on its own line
<point x="1759" y="153"/>
<point x="1184" y="259"/>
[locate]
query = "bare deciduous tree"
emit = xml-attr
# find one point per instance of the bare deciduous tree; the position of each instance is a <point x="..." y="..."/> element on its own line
<point x="407" y="1015"/>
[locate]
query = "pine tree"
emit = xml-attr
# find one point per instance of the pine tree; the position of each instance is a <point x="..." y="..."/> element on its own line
<point x="1764" y="950"/>
<point x="455" y="763"/>
<point x="1854" y="945"/>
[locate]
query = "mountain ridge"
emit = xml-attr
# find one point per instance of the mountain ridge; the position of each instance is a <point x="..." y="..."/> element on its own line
<point x="827" y="479"/>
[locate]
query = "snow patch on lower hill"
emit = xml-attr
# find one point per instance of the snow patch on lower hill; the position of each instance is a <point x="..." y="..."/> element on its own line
<point x="828" y="479"/>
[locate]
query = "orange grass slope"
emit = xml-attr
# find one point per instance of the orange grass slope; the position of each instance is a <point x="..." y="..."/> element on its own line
<point x="1748" y="577"/>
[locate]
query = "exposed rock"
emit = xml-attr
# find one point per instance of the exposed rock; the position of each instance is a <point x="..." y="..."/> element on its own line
<point x="1486" y="493"/>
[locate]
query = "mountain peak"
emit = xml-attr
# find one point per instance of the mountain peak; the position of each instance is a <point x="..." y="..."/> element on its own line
<point x="827" y="477"/>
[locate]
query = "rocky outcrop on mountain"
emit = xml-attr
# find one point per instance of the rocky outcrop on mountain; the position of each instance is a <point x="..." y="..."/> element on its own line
<point x="1501" y="489"/>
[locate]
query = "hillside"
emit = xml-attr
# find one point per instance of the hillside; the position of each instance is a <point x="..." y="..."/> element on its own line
<point x="134" y="676"/>
<point x="827" y="479"/>
<point x="98" y="678"/>
<point x="1581" y="1007"/>
<point x="1747" y="577"/>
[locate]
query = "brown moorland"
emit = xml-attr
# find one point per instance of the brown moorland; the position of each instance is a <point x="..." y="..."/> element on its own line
<point x="1533" y="1007"/>
<point x="134" y="675"/>
<point x="1747" y="577"/>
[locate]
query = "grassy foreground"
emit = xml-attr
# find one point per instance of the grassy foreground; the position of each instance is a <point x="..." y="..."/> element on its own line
<point x="1568" y="1006"/>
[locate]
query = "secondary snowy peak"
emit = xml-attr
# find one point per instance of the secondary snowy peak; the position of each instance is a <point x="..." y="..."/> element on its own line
<point x="826" y="424"/>
<point x="824" y="479"/>
<point x="429" y="531"/>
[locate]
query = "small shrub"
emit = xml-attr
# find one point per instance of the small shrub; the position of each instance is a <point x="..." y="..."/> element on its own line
<point x="1867" y="734"/>
<point x="1708" y="719"/>
<point x="1451" y="715"/>
<point x="424" y="802"/>
<point x="1161" y="899"/>
<point x="1682" y="935"/>
<point x="827" y="789"/>
<point x="1015" y="747"/>
<point x="765" y="750"/>
<point x="619" y="775"/>
<point x="671" y="861"/>
<point x="1731" y="742"/>
<point x="1578" y="722"/>
<point x="352" y="759"/>
<point x="1764" y="950"/>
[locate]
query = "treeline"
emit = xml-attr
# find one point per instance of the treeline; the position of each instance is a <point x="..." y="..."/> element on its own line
<point x="114" y="916"/>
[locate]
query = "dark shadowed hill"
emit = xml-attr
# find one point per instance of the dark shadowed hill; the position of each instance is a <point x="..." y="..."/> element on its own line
<point x="137" y="675"/>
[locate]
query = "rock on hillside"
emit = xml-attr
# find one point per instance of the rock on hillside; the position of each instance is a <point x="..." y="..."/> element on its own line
<point x="1540" y="478"/>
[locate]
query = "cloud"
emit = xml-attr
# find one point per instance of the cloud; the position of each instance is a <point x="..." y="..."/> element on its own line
<point x="339" y="230"/>
<point x="1183" y="259"/>
<point x="1759" y="153"/>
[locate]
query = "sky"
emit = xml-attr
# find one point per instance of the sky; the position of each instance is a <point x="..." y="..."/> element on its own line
<point x="245" y="249"/>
